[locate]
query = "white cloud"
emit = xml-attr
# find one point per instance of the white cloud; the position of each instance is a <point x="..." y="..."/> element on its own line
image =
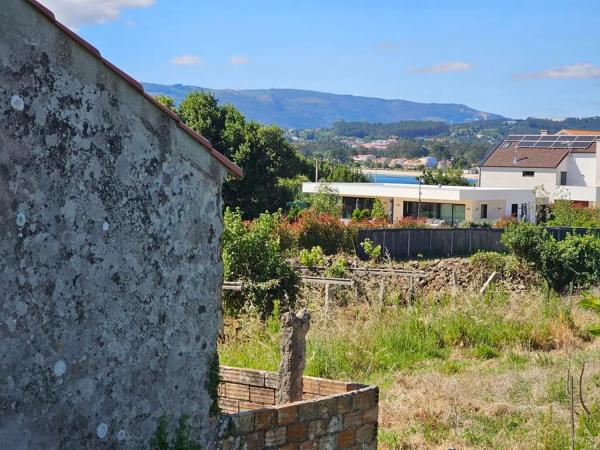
<point x="451" y="66"/>
<point x="580" y="70"/>
<point x="75" y="13"/>
<point x="239" y="60"/>
<point x="186" y="60"/>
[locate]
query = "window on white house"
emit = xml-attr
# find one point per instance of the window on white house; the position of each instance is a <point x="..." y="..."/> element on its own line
<point x="484" y="211"/>
<point x="514" y="209"/>
<point x="563" y="178"/>
<point x="528" y="173"/>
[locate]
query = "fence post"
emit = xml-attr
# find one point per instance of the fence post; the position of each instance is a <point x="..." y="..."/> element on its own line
<point x="408" y="253"/>
<point x="470" y="241"/>
<point x="327" y="298"/>
<point x="430" y="235"/>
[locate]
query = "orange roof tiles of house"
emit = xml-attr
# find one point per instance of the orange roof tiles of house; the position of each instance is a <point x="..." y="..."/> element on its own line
<point x="507" y="154"/>
<point x="526" y="157"/>
<point x="231" y="167"/>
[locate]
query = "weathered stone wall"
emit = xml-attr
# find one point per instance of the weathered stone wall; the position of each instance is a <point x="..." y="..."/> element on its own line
<point x="332" y="415"/>
<point x="110" y="219"/>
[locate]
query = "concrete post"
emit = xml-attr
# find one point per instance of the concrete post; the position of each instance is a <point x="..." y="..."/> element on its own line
<point x="328" y="294"/>
<point x="293" y="355"/>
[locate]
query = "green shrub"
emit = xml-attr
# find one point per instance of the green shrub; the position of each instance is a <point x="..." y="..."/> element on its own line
<point x="572" y="262"/>
<point x="578" y="261"/>
<point x="565" y="214"/>
<point x="252" y="254"/>
<point x="591" y="303"/>
<point x="527" y="241"/>
<point x="337" y="269"/>
<point x="372" y="251"/>
<point x="359" y="215"/>
<point x="488" y="262"/>
<point x="312" y="258"/>
<point x="326" y="201"/>
<point x="378" y="211"/>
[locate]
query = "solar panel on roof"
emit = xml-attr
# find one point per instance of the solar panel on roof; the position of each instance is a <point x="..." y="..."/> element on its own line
<point x="540" y="144"/>
<point x="565" y="138"/>
<point x="585" y="139"/>
<point x="558" y="144"/>
<point x="548" y="138"/>
<point x="580" y="144"/>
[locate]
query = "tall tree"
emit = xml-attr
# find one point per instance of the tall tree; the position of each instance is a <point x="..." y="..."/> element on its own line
<point x="262" y="152"/>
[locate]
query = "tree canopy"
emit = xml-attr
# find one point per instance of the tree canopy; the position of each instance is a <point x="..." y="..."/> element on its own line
<point x="273" y="168"/>
<point x="261" y="151"/>
<point x="445" y="177"/>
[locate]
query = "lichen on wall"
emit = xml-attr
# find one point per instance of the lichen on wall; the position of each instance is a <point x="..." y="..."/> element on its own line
<point x="110" y="219"/>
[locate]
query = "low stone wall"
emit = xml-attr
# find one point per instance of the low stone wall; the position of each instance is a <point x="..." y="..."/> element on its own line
<point x="332" y="414"/>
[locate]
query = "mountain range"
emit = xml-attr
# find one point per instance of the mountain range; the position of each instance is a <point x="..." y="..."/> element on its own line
<point x="298" y="109"/>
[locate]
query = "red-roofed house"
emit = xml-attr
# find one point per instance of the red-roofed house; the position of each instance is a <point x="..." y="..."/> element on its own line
<point x="565" y="165"/>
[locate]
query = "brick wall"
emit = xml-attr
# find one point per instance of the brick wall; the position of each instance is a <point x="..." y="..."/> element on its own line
<point x="332" y="415"/>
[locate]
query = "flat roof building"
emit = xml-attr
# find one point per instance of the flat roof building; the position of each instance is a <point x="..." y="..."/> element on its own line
<point x="452" y="204"/>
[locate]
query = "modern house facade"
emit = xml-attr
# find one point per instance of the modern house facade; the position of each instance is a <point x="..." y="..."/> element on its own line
<point x="558" y="166"/>
<point x="452" y="204"/>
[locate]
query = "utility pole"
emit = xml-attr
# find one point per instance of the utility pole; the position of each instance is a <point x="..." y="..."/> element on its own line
<point x="419" y="203"/>
<point x="316" y="170"/>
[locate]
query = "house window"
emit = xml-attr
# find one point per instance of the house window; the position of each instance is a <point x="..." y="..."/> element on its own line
<point x="450" y="213"/>
<point x="524" y="212"/>
<point x="528" y="173"/>
<point x="484" y="211"/>
<point x="563" y="178"/>
<point x="349" y="204"/>
<point x="514" y="209"/>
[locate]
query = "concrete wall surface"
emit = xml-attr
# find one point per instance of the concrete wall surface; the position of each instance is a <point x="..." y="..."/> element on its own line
<point x="110" y="219"/>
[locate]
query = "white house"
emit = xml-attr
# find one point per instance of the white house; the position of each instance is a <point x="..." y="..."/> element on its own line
<point x="565" y="165"/>
<point x="453" y="204"/>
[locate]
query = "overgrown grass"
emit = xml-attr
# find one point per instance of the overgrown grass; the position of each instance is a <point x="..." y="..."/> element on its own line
<point x="362" y="344"/>
<point x="463" y="371"/>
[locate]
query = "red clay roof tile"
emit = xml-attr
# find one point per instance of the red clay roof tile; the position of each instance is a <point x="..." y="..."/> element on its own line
<point x="546" y="158"/>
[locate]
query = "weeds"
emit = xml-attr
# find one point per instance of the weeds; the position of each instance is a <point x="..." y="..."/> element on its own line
<point x="181" y="440"/>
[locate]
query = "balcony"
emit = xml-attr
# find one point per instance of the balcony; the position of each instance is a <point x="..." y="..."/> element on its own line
<point x="578" y="193"/>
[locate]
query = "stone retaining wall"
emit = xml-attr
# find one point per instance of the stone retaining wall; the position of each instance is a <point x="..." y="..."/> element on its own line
<point x="332" y="415"/>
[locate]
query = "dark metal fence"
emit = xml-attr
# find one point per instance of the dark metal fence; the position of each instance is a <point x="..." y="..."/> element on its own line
<point x="406" y="243"/>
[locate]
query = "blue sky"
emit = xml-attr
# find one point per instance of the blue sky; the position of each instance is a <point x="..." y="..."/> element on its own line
<point x="516" y="58"/>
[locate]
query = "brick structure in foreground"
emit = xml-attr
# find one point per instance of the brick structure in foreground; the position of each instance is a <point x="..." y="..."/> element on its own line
<point x="332" y="415"/>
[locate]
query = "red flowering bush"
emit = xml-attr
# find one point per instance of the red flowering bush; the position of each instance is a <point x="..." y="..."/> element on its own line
<point x="411" y="222"/>
<point x="505" y="221"/>
<point x="312" y="229"/>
